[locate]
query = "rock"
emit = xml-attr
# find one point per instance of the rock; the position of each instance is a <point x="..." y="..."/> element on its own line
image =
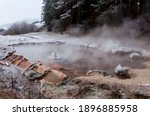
<point x="96" y="72"/>
<point x="7" y="64"/>
<point x="40" y="67"/>
<point x="36" y="71"/>
<point x="25" y="64"/>
<point x="41" y="71"/>
<point x="32" y="75"/>
<point x="4" y="63"/>
<point x="6" y="51"/>
<point x="122" y="72"/>
<point x="17" y="60"/>
<point x="54" y="56"/>
<point x="134" y="54"/>
<point x="55" y="77"/>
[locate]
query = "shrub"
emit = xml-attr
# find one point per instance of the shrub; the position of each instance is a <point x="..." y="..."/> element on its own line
<point x="1" y="31"/>
<point x="20" y="28"/>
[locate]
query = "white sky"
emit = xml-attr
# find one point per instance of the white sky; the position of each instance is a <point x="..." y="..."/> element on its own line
<point x="17" y="10"/>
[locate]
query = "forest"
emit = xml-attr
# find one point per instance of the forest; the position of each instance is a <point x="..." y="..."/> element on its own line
<point x="58" y="15"/>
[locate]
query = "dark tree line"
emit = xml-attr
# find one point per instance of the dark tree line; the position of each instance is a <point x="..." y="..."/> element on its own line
<point x="58" y="14"/>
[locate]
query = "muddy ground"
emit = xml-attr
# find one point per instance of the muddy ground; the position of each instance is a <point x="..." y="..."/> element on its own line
<point x="14" y="85"/>
<point x="74" y="58"/>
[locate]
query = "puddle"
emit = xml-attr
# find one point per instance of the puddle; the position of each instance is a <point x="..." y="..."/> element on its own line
<point x="78" y="58"/>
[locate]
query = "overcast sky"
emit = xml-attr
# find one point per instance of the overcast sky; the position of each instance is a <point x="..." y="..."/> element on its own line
<point x="17" y="10"/>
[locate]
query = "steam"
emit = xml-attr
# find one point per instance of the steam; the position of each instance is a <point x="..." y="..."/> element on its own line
<point x="102" y="48"/>
<point x="127" y="38"/>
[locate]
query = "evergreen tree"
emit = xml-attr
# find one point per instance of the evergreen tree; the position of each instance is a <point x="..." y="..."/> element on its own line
<point x="91" y="12"/>
<point x="49" y="12"/>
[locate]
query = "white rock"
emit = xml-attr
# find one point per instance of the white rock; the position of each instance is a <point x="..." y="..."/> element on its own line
<point x="54" y="56"/>
<point x="120" y="68"/>
<point x="7" y="64"/>
<point x="134" y="54"/>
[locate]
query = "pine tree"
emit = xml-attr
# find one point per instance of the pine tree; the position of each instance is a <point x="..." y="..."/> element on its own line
<point x="90" y="12"/>
<point x="49" y="12"/>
